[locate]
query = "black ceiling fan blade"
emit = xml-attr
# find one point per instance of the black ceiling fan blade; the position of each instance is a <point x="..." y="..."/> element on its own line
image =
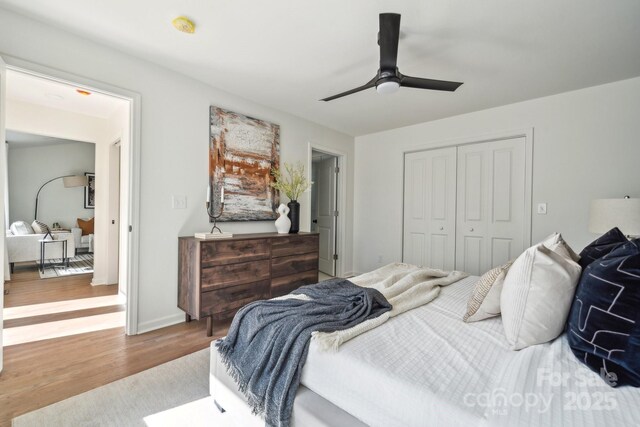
<point x="417" y="82"/>
<point x="388" y="40"/>
<point x="371" y="83"/>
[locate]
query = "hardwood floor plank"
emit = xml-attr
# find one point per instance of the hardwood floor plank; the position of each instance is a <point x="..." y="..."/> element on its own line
<point x="55" y="317"/>
<point x="62" y="328"/>
<point x="32" y="310"/>
<point x="37" y="374"/>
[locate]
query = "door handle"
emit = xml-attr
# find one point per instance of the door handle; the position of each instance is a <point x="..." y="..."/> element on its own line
<point x="441" y="228"/>
<point x="471" y="229"/>
<point x="315" y="221"/>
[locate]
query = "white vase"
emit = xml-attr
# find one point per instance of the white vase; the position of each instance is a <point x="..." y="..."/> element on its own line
<point x="283" y="223"/>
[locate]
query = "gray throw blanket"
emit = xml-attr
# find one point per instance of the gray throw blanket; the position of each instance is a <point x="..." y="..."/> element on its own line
<point x="267" y="344"/>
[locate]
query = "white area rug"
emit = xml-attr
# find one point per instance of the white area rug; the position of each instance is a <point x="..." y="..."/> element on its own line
<point x="173" y="394"/>
<point x="79" y="264"/>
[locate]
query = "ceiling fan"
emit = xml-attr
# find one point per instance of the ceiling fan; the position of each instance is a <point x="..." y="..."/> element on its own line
<point x="389" y="79"/>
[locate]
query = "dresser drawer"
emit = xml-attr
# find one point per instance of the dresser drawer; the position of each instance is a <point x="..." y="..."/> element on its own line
<point x="285" y="284"/>
<point x="233" y="251"/>
<point x="234" y="274"/>
<point x="287" y="265"/>
<point x="222" y="303"/>
<point x="291" y="245"/>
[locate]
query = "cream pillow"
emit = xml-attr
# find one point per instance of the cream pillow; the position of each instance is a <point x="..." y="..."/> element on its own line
<point x="484" y="302"/>
<point x="20" y="228"/>
<point x="485" y="298"/>
<point x="537" y="295"/>
<point x="556" y="243"/>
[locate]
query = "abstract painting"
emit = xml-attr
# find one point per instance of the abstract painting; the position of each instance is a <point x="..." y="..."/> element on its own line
<point x="90" y="191"/>
<point x="242" y="151"/>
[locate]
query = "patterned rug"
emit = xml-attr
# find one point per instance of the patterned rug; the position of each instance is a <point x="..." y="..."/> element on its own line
<point x="79" y="264"/>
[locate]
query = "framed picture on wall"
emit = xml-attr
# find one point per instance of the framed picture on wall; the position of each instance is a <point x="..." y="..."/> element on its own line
<point x="90" y="191"/>
<point x="242" y="152"/>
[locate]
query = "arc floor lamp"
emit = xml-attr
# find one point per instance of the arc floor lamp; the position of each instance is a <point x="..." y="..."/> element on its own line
<point x="69" y="181"/>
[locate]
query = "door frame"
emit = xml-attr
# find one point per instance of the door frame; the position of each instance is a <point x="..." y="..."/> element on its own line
<point x="526" y="133"/>
<point x="130" y="227"/>
<point x="341" y="201"/>
<point x="3" y="164"/>
<point x="334" y="204"/>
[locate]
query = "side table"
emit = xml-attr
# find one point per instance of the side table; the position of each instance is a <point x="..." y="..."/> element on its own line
<point x="43" y="246"/>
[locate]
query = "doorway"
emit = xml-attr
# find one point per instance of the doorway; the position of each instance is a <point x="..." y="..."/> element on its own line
<point x="324" y="208"/>
<point x="126" y="188"/>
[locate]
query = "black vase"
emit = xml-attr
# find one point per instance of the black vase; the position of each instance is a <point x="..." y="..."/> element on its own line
<point x="294" y="216"/>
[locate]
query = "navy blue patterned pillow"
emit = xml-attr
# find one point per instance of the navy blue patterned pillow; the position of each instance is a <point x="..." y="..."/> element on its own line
<point x="604" y="322"/>
<point x="601" y="246"/>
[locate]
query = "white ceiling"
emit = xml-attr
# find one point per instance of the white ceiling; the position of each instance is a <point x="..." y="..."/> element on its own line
<point x="287" y="54"/>
<point x="22" y="140"/>
<point x="40" y="91"/>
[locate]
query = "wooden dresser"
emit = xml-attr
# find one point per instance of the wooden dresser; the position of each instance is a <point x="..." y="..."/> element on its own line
<point x="218" y="277"/>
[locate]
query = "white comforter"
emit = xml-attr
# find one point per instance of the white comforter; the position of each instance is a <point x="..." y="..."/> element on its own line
<point x="405" y="286"/>
<point x="428" y="368"/>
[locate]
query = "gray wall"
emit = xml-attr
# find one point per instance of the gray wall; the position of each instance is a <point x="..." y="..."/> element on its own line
<point x="31" y="166"/>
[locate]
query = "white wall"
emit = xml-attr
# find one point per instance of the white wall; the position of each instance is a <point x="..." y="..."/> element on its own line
<point x="31" y="166"/>
<point x="39" y="120"/>
<point x="586" y="146"/>
<point x="175" y="132"/>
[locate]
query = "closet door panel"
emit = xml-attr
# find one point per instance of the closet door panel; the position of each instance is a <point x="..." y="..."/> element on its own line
<point x="416" y="245"/>
<point x="472" y="256"/>
<point x="473" y="175"/>
<point x="491" y="192"/>
<point x="501" y="251"/>
<point x="506" y="226"/>
<point x="429" y="208"/>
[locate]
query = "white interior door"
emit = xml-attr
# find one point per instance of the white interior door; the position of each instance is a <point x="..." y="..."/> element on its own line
<point x="430" y="208"/>
<point x="113" y="237"/>
<point x="326" y="191"/>
<point x="314" y="198"/>
<point x="3" y="167"/>
<point x="490" y="227"/>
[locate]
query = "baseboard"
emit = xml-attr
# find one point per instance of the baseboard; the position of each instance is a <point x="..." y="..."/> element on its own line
<point x="98" y="281"/>
<point x="101" y="282"/>
<point x="162" y="322"/>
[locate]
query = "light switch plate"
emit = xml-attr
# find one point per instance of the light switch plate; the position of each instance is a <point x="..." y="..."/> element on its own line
<point x="542" y="208"/>
<point x="179" y="202"/>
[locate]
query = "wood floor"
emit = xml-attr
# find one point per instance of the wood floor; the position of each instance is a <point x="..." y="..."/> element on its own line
<point x="39" y="373"/>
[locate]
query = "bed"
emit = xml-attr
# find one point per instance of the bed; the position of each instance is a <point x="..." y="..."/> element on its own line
<point x="428" y="367"/>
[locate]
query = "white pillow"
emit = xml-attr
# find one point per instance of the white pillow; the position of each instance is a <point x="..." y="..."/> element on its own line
<point x="20" y="228"/>
<point x="537" y="295"/>
<point x="484" y="301"/>
<point x="556" y="243"/>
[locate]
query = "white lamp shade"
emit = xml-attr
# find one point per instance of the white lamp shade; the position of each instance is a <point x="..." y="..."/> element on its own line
<point x="75" y="181"/>
<point x="622" y="213"/>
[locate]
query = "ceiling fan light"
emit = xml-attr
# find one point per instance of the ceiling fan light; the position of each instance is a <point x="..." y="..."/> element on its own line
<point x="390" y="86"/>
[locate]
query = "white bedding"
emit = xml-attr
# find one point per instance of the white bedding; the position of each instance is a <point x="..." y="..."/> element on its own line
<point x="428" y="367"/>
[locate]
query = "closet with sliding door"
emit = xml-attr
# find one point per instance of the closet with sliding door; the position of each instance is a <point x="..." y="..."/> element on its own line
<point x="467" y="207"/>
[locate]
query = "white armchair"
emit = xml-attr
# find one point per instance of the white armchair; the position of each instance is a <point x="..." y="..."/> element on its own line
<point x="82" y="242"/>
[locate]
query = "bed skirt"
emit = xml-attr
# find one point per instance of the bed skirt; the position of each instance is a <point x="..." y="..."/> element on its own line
<point x="309" y="409"/>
